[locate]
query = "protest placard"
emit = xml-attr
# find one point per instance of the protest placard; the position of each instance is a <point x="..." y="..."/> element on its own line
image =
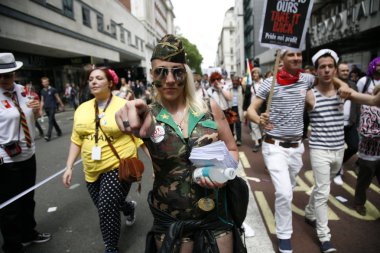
<point x="284" y="23"/>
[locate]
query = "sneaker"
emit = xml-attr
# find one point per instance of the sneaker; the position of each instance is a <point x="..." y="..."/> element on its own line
<point x="312" y="223"/>
<point x="285" y="246"/>
<point x="327" y="247"/>
<point x="256" y="148"/>
<point x="338" y="180"/>
<point x="129" y="212"/>
<point x="238" y="143"/>
<point x="360" y="209"/>
<point x="59" y="134"/>
<point x="47" y="138"/>
<point x="39" y="238"/>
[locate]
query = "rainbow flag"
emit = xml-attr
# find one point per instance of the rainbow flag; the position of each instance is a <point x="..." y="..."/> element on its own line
<point x="248" y="73"/>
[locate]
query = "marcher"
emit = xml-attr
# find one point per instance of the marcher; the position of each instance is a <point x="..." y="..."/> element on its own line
<point x="32" y="92"/>
<point x="221" y="94"/>
<point x="351" y="114"/>
<point x="236" y="105"/>
<point x="70" y="95"/>
<point x="282" y="146"/>
<point x="49" y="100"/>
<point x="199" y="90"/>
<point x="369" y="141"/>
<point x="125" y="90"/>
<point x="93" y="121"/>
<point x="181" y="120"/>
<point x="17" y="160"/>
<point x="326" y="142"/>
<point x="255" y="132"/>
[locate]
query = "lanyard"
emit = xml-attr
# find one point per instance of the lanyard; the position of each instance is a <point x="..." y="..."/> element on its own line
<point x="97" y="118"/>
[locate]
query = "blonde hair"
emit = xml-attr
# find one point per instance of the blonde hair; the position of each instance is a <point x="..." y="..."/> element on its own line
<point x="257" y="69"/>
<point x="193" y="102"/>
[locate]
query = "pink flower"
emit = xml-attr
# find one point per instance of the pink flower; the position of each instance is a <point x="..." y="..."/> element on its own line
<point x="115" y="78"/>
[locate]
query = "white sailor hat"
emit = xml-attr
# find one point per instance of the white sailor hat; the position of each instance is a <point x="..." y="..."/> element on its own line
<point x="321" y="52"/>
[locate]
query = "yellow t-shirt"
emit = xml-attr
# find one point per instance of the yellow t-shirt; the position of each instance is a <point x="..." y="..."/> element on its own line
<point x="83" y="135"/>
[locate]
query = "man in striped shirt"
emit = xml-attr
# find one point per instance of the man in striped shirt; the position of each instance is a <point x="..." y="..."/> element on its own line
<point x="326" y="141"/>
<point x="282" y="146"/>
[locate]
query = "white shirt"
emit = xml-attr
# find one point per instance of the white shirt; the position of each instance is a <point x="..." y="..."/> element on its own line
<point x="10" y="128"/>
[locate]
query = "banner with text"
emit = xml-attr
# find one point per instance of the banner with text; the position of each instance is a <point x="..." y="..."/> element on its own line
<point x="284" y="23"/>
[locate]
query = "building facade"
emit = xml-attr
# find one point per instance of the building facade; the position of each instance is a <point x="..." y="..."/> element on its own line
<point x="239" y="38"/>
<point x="56" y="38"/>
<point x="157" y="17"/>
<point x="226" y="46"/>
<point x="349" y="27"/>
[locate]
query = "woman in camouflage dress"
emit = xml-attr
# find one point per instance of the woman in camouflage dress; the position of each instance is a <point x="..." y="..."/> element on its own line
<point x="183" y="220"/>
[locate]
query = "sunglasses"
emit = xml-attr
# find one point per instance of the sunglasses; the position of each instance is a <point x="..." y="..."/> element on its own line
<point x="6" y="75"/>
<point x="161" y="73"/>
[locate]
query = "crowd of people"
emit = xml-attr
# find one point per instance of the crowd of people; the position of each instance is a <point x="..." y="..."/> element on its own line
<point x="179" y="111"/>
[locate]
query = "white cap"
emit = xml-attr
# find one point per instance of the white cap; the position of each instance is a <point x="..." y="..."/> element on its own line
<point x="321" y="52"/>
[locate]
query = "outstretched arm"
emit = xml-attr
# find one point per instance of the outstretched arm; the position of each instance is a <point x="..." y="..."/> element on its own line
<point x="135" y="118"/>
<point x="366" y="99"/>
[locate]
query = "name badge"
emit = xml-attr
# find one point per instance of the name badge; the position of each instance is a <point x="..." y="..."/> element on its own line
<point x="96" y="153"/>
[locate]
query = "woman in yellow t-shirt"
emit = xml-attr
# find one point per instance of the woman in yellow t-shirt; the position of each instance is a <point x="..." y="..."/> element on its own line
<point x="93" y="120"/>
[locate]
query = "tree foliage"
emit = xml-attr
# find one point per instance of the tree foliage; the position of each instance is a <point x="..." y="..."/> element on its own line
<point x="194" y="58"/>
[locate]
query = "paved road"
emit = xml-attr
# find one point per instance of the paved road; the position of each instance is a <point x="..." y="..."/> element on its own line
<point x="351" y="232"/>
<point x="74" y="223"/>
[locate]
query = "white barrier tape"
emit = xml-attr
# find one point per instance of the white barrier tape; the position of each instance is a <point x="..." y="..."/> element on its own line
<point x="35" y="186"/>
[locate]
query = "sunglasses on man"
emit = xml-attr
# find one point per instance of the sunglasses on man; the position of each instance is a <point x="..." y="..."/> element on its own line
<point x="161" y="73"/>
<point x="6" y="75"/>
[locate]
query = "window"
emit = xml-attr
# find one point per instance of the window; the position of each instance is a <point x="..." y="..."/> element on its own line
<point x="68" y="8"/>
<point x="113" y="29"/>
<point x="86" y="16"/>
<point x="129" y="38"/>
<point x="99" y="20"/>
<point x="122" y="35"/>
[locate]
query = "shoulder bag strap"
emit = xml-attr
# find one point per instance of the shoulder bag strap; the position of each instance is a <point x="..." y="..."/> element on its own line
<point x="110" y="144"/>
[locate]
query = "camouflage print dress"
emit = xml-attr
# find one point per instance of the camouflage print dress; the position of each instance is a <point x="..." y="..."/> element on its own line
<point x="174" y="191"/>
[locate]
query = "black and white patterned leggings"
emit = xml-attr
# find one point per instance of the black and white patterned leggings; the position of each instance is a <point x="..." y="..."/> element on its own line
<point x="108" y="194"/>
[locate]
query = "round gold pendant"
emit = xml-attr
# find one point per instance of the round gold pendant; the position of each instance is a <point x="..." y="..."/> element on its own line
<point x="206" y="204"/>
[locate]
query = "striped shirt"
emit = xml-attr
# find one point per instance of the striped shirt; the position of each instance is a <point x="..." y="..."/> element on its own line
<point x="287" y="107"/>
<point x="327" y="122"/>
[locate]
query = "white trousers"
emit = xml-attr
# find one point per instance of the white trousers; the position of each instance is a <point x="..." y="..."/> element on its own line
<point x="283" y="165"/>
<point x="255" y="131"/>
<point x="325" y="165"/>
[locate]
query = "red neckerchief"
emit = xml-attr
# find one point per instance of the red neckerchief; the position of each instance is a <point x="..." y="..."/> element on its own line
<point x="285" y="78"/>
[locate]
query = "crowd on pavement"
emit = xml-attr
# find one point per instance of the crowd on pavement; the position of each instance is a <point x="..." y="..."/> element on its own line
<point x="336" y="109"/>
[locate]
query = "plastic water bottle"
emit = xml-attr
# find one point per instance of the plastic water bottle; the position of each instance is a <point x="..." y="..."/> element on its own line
<point x="215" y="174"/>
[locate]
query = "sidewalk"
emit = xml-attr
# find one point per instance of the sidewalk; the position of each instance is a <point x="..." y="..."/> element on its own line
<point x="260" y="243"/>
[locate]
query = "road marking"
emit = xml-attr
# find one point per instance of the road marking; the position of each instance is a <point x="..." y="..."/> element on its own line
<point x="372" y="186"/>
<point x="244" y="160"/>
<point x="372" y="212"/>
<point x="74" y="186"/>
<point x="267" y="213"/>
<point x="9" y="201"/>
<point x="301" y="186"/>
<point x="254" y="179"/>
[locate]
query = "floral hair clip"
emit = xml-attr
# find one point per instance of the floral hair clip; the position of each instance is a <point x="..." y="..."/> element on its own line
<point x="115" y="78"/>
